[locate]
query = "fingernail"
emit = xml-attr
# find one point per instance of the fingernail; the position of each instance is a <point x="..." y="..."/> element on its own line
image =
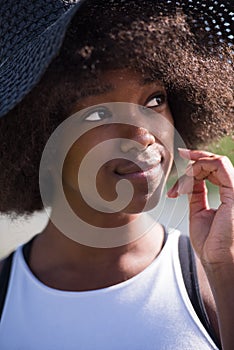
<point x="189" y="170"/>
<point x="183" y="150"/>
<point x="181" y="186"/>
<point x="169" y="192"/>
<point x="172" y="194"/>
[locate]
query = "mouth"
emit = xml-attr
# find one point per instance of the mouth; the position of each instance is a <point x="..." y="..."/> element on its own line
<point x="130" y="170"/>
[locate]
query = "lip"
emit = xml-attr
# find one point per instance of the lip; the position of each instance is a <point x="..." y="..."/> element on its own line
<point x="139" y="170"/>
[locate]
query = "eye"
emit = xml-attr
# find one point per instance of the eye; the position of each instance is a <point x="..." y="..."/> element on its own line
<point x="97" y="115"/>
<point x="156" y="100"/>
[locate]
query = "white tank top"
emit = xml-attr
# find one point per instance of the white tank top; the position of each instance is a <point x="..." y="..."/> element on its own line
<point x="149" y="311"/>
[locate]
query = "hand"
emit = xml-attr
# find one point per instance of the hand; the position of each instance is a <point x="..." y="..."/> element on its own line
<point x="211" y="231"/>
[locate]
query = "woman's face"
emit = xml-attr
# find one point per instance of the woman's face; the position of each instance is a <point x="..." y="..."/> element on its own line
<point x="137" y="142"/>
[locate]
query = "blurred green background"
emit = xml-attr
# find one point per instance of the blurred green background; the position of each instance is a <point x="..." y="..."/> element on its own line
<point x="225" y="146"/>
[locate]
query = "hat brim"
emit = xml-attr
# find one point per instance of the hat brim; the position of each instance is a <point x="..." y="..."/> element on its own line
<point x="20" y="72"/>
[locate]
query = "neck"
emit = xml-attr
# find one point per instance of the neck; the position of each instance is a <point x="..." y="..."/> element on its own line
<point x="84" y="267"/>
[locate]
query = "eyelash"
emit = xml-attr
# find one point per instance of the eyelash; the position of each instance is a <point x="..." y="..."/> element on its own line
<point x="159" y="95"/>
<point x="107" y="113"/>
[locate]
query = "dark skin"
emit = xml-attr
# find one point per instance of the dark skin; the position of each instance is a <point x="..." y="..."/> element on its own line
<point x="62" y="263"/>
<point x="85" y="267"/>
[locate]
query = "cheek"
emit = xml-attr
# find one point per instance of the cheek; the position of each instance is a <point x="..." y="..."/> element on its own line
<point x="167" y="138"/>
<point x="73" y="161"/>
<point x="80" y="148"/>
<point x="162" y="127"/>
<point x="84" y="156"/>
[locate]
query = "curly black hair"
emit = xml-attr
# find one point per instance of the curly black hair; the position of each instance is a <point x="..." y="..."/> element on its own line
<point x="159" y="42"/>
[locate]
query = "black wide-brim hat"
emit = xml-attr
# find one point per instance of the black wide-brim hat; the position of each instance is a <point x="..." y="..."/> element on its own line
<point x="32" y="33"/>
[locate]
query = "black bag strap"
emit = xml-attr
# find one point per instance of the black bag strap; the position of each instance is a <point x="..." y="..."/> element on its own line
<point x="4" y="279"/>
<point x="189" y="272"/>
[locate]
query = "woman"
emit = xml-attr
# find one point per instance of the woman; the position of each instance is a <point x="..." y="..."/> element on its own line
<point x="102" y="275"/>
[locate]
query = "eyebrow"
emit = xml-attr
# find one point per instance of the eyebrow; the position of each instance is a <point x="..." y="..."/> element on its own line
<point x="102" y="89"/>
<point x="95" y="90"/>
<point x="149" y="80"/>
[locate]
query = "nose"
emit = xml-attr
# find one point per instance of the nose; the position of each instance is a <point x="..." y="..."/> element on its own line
<point x="136" y="138"/>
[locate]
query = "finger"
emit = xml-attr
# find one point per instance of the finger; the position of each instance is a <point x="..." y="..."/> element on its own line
<point x="195" y="154"/>
<point x="198" y="200"/>
<point x="200" y="172"/>
<point x="173" y="191"/>
<point x="184" y="185"/>
<point x="218" y="170"/>
<point x="196" y="191"/>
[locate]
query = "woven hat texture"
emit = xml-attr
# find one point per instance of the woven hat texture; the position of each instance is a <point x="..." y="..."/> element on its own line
<point x="31" y="34"/>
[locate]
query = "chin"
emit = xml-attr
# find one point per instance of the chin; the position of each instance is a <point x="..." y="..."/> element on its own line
<point x="140" y="204"/>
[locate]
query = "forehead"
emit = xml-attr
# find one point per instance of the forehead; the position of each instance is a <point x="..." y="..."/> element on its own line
<point x="112" y="80"/>
<point x="123" y="86"/>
